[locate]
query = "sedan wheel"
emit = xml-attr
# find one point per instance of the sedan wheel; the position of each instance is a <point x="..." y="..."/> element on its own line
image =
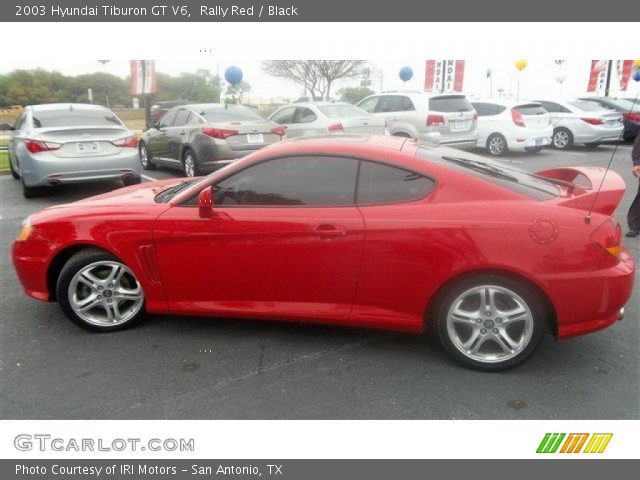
<point x="562" y="139"/>
<point x="497" y="145"/>
<point x="99" y="292"/>
<point x="490" y="324"/>
<point x="189" y="162"/>
<point x="145" y="159"/>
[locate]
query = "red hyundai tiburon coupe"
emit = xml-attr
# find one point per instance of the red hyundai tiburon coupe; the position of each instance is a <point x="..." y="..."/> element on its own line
<point x="365" y="231"/>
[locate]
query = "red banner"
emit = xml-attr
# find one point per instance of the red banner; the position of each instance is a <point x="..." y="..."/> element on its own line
<point x="459" y="76"/>
<point x="625" y="74"/>
<point x="143" y="77"/>
<point x="429" y="75"/>
<point x="597" y="68"/>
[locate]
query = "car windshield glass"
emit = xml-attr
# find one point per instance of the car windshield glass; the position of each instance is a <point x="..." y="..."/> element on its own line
<point x="530" y="109"/>
<point x="341" y="111"/>
<point x="232" y="114"/>
<point x="450" y="103"/>
<point x="587" y="106"/>
<point x="167" y="194"/>
<point x="74" y="118"/>
<point x="520" y="181"/>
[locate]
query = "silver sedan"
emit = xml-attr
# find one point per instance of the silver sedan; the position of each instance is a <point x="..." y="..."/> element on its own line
<point x="56" y="144"/>
<point x="579" y="121"/>
<point x="317" y="118"/>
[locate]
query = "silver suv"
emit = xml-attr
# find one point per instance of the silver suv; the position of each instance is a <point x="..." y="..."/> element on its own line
<point x="417" y="114"/>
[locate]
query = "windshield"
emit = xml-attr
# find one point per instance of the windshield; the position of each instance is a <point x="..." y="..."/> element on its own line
<point x="342" y="111"/>
<point x="232" y="114"/>
<point x="67" y="117"/>
<point x="521" y="181"/>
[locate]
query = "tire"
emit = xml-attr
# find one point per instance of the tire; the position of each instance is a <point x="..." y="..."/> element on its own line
<point x="14" y="173"/>
<point x="190" y="164"/>
<point x="562" y="139"/>
<point x="533" y="149"/>
<point x="145" y="158"/>
<point x="497" y="145"/>
<point x="592" y="145"/>
<point x="30" y="192"/>
<point x="106" y="314"/>
<point x="481" y="341"/>
<point x="131" y="181"/>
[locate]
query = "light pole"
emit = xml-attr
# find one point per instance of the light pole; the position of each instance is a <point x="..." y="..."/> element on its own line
<point x="104" y="70"/>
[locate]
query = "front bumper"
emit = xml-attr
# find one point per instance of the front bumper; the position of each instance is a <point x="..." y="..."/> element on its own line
<point x="594" y="300"/>
<point x="46" y="169"/>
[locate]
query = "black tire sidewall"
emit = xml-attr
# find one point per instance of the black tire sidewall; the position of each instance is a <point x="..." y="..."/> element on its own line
<point x="75" y="263"/>
<point x="530" y="297"/>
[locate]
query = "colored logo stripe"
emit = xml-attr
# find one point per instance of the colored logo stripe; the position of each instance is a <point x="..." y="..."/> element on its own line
<point x="550" y="443"/>
<point x="597" y="443"/>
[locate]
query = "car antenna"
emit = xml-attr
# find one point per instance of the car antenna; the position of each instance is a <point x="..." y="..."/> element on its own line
<point x="587" y="219"/>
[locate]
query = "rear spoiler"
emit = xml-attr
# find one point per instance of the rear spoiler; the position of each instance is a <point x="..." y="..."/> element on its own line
<point x="586" y="181"/>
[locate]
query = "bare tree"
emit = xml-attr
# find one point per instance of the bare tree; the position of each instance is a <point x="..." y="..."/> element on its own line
<point x="316" y="76"/>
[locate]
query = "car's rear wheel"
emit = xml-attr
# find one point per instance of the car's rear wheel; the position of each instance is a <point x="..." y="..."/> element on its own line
<point x="14" y="172"/>
<point x="29" y="192"/>
<point x="190" y="164"/>
<point x="497" y="145"/>
<point x="490" y="323"/>
<point x="99" y="293"/>
<point x="145" y="158"/>
<point x="533" y="149"/>
<point x="562" y="139"/>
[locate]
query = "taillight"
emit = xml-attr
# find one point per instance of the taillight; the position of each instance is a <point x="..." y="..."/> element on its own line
<point x="435" y="120"/>
<point x="608" y="236"/>
<point x="475" y="116"/>
<point x="593" y="121"/>
<point x="335" y="127"/>
<point x="634" y="117"/>
<point x="517" y="118"/>
<point x="36" y="146"/>
<point x="219" y="133"/>
<point x="129" y="142"/>
<point x="278" y="131"/>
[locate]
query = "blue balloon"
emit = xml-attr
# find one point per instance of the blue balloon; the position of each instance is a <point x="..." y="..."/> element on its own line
<point x="233" y="75"/>
<point x="406" y="74"/>
<point x="636" y="75"/>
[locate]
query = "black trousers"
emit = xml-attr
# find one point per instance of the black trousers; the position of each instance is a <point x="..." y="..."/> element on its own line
<point x="633" y="217"/>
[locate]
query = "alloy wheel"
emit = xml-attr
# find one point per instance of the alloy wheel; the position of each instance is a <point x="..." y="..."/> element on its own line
<point x="496" y="145"/>
<point x="144" y="156"/>
<point x="105" y="293"/>
<point x="561" y="139"/>
<point x="489" y="324"/>
<point x="189" y="165"/>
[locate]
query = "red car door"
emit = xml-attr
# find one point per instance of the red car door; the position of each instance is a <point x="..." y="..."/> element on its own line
<point x="285" y="240"/>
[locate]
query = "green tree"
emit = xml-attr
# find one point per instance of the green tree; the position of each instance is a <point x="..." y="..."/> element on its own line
<point x="354" y="94"/>
<point x="234" y="93"/>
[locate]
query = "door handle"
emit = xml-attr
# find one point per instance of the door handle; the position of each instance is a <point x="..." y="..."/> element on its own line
<point x="328" y="230"/>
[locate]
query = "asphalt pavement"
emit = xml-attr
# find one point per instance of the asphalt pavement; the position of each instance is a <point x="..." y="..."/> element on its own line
<point x="197" y="368"/>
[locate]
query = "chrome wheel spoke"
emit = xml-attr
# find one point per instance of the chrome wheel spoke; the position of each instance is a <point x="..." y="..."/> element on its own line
<point x="516" y="314"/>
<point x="88" y="303"/>
<point x="504" y="340"/>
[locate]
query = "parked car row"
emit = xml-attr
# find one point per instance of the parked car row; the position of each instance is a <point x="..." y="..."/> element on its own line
<point x="67" y="143"/>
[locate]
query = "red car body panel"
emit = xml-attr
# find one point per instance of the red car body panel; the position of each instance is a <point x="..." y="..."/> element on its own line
<point x="377" y="266"/>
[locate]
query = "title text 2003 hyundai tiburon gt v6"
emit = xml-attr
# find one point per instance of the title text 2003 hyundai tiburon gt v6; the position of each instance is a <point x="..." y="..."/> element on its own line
<point x="365" y="231"/>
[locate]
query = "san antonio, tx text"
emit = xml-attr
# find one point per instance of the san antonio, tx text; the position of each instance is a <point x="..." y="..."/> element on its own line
<point x="145" y="469"/>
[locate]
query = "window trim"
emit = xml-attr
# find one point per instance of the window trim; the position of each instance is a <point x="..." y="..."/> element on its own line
<point x="359" y="159"/>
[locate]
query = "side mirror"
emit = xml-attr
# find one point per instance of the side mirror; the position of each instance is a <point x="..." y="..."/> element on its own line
<point x="205" y="202"/>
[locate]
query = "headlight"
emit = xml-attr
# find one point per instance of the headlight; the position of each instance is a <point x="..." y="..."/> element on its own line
<point x="25" y="231"/>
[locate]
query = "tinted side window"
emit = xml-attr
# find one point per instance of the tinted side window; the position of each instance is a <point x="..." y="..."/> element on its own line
<point x="530" y="109"/>
<point x="379" y="183"/>
<point x="284" y="116"/>
<point x="394" y="103"/>
<point x="488" y="109"/>
<point x="182" y="118"/>
<point x="19" y="125"/>
<point x="291" y="181"/>
<point x="304" y="115"/>
<point x="369" y="104"/>
<point x="168" y="118"/>
<point x="194" y="119"/>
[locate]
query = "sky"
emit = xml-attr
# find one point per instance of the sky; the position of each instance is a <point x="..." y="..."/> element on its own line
<point x="536" y="80"/>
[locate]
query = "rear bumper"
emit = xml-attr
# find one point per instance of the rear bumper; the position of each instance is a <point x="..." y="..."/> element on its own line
<point x="631" y="129"/>
<point x="594" y="134"/>
<point x="47" y="169"/>
<point x="594" y="300"/>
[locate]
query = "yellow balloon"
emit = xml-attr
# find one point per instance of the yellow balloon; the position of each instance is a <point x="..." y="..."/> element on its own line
<point x="637" y="63"/>
<point x="521" y="64"/>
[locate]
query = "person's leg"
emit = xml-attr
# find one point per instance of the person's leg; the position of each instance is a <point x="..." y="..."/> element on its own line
<point x="633" y="216"/>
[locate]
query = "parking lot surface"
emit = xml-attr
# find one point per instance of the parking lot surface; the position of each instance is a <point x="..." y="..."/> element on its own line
<point x="198" y="368"/>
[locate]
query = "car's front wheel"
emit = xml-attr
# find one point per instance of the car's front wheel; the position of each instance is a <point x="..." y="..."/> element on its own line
<point x="490" y="323"/>
<point x="562" y="139"/>
<point x="99" y="293"/>
<point x="497" y="145"/>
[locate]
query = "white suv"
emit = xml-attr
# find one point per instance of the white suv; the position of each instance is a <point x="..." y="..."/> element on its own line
<point x="417" y="114"/>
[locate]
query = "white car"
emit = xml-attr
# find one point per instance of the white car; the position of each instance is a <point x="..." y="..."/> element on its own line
<point x="505" y="126"/>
